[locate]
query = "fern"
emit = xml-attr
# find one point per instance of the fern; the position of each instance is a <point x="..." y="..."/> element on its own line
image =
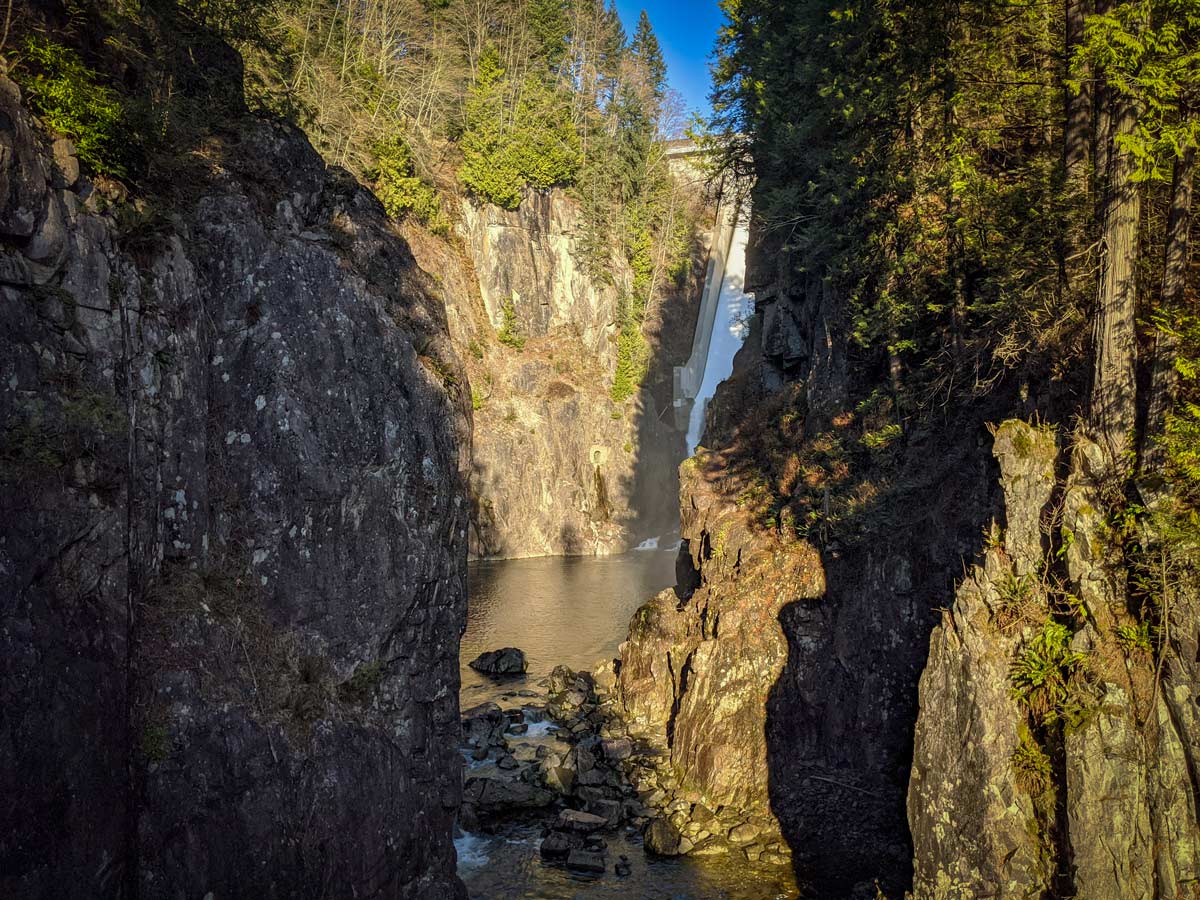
<point x="1041" y="673"/>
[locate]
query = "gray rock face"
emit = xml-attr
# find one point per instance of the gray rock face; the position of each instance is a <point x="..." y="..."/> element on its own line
<point x="232" y="535"/>
<point x="528" y="257"/>
<point x="1119" y="818"/>
<point x="974" y="829"/>
<point x="1131" y="764"/>
<point x="699" y="674"/>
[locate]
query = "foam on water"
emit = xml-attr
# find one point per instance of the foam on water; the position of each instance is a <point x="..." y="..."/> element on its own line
<point x="471" y="851"/>
<point x="471" y="763"/>
<point x="539" y="729"/>
<point x="648" y="544"/>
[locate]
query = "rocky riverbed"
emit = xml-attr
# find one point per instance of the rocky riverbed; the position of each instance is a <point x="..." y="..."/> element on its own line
<point x="561" y="757"/>
<point x="562" y="798"/>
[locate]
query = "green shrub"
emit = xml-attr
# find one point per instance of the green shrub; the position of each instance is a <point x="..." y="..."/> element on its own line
<point x="1135" y="638"/>
<point x="881" y="439"/>
<point x="70" y="99"/>
<point x="1015" y="593"/>
<point x="517" y="135"/>
<point x="401" y="191"/>
<point x="633" y="360"/>
<point x="510" y="333"/>
<point x="478" y="399"/>
<point x="1041" y="673"/>
<point x="1031" y="765"/>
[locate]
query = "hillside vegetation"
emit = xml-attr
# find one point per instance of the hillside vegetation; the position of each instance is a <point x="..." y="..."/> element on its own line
<point x="426" y="101"/>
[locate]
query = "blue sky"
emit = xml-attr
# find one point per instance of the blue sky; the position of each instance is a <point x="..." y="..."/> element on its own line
<point x="686" y="29"/>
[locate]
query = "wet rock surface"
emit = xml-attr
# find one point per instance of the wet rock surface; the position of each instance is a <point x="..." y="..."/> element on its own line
<point x="593" y="779"/>
<point x="507" y="661"/>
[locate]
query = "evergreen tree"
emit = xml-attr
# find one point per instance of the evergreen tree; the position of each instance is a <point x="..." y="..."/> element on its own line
<point x="550" y="27"/>
<point x="644" y="48"/>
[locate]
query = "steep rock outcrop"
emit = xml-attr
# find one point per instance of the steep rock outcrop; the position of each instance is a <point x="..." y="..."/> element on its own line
<point x="529" y="257"/>
<point x="974" y="830"/>
<point x="559" y="468"/>
<point x="1107" y="807"/>
<point x="838" y="712"/>
<point x="232" y="533"/>
<point x="697" y="670"/>
<point x="1131" y="762"/>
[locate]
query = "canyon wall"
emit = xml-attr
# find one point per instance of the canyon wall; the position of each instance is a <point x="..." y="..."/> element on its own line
<point x="233" y="529"/>
<point x="785" y="683"/>
<point x="798" y="672"/>
<point x="1090" y="791"/>
<point x="559" y="466"/>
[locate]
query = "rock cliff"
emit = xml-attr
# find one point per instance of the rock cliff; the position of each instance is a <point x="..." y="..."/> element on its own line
<point x="1027" y="746"/>
<point x="233" y="527"/>
<point x="559" y="467"/>
<point x="1080" y="780"/>
<point x="785" y="685"/>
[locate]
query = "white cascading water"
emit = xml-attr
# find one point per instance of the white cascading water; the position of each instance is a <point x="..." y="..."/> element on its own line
<point x="729" y="329"/>
<point x="471" y="851"/>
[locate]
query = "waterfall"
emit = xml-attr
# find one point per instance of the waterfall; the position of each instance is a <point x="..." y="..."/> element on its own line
<point x="733" y="308"/>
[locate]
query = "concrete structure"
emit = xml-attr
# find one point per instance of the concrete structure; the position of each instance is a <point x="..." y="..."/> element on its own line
<point x="723" y="304"/>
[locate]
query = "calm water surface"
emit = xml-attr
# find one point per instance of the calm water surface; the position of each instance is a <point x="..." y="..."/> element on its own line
<point x="575" y="612"/>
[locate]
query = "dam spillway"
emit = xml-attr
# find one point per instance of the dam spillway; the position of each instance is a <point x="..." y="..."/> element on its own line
<point x="721" y="320"/>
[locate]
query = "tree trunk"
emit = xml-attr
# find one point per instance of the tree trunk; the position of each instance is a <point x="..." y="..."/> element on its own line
<point x="1077" y="129"/>
<point x="1174" y="281"/>
<point x="1114" y="386"/>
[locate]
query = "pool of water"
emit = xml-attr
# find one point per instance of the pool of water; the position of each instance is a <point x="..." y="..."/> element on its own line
<point x="571" y="611"/>
<point x="575" y="612"/>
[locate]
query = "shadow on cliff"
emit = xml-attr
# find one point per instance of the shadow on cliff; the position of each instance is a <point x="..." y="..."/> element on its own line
<point x="894" y="519"/>
<point x="653" y="486"/>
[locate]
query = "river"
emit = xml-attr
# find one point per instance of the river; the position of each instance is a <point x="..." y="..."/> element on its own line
<point x="575" y="612"/>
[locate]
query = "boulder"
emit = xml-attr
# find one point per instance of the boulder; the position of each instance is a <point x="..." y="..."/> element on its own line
<point x="560" y="678"/>
<point x="592" y="777"/>
<point x="702" y="815"/>
<point x="495" y="794"/>
<point x="586" y="861"/>
<point x="609" y="810"/>
<point x="559" y="844"/>
<point x="664" y="839"/>
<point x="524" y="753"/>
<point x="744" y="833"/>
<point x="605" y="676"/>
<point x="484" y="725"/>
<point x="582" y="822"/>
<point x="559" y="778"/>
<point x="498" y="663"/>
<point x="581" y="759"/>
<point x="618" y="749"/>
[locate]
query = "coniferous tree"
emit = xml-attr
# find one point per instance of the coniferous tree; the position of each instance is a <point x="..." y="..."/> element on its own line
<point x="646" y="50"/>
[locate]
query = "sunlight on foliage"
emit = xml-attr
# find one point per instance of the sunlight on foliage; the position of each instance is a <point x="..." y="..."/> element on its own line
<point x="71" y="100"/>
